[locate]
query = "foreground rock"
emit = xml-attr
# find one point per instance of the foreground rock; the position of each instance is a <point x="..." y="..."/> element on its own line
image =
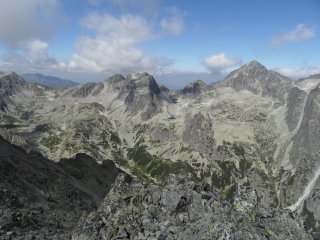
<point x="182" y="209"/>
<point x="40" y="199"/>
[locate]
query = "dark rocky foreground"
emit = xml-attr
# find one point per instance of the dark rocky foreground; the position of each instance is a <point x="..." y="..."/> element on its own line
<point x="182" y="209"/>
<point x="41" y="199"/>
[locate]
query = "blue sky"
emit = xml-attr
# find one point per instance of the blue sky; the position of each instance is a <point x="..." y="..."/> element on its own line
<point x="176" y="41"/>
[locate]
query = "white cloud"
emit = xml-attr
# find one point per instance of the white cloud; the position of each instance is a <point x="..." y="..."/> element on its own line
<point x="19" y="20"/>
<point x="128" y="27"/>
<point x="220" y="62"/>
<point x="175" y="23"/>
<point x="114" y="48"/>
<point x="300" y="33"/>
<point x="37" y="52"/>
<point x="111" y="46"/>
<point x="33" y="56"/>
<point x="296" y="73"/>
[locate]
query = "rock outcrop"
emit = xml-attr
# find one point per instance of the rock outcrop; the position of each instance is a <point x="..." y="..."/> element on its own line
<point x="182" y="209"/>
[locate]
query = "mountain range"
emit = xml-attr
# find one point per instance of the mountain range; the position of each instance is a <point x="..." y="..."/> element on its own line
<point x="242" y="152"/>
<point x="49" y="81"/>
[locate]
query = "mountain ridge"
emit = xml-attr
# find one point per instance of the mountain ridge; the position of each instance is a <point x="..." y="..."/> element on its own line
<point x="49" y="81"/>
<point x="256" y="128"/>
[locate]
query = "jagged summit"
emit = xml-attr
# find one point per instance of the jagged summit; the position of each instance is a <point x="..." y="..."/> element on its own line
<point x="256" y="78"/>
<point x="11" y="76"/>
<point x="2" y="74"/>
<point x="115" y="78"/>
<point x="133" y="82"/>
<point x="11" y="82"/>
<point x="140" y="83"/>
<point x="251" y="69"/>
<point x="254" y="64"/>
<point x="138" y="75"/>
<point x="308" y="83"/>
<point x="144" y="81"/>
<point x="141" y="94"/>
<point x="115" y="82"/>
<point x="197" y="87"/>
<point x="314" y="76"/>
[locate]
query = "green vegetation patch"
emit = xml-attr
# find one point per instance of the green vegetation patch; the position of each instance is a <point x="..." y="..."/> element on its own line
<point x="223" y="178"/>
<point x="156" y="167"/>
<point x="228" y="192"/>
<point x="118" y="158"/>
<point x="51" y="141"/>
<point x="115" y="138"/>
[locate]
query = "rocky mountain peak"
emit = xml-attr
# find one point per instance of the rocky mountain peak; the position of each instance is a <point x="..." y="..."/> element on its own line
<point x="142" y="95"/>
<point x="145" y="81"/>
<point x="311" y="77"/>
<point x="115" y="82"/>
<point x="256" y="78"/>
<point x="254" y="66"/>
<point x="252" y="70"/>
<point x="11" y="82"/>
<point x="196" y="87"/>
<point x="308" y="83"/>
<point x="116" y="78"/>
<point x="11" y="77"/>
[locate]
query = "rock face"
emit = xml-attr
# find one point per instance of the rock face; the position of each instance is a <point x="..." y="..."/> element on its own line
<point x="40" y="199"/>
<point x="198" y="133"/>
<point x="139" y="89"/>
<point x="305" y="157"/>
<point x="295" y="105"/>
<point x="116" y="82"/>
<point x="183" y="209"/>
<point x="85" y="90"/>
<point x="10" y="84"/>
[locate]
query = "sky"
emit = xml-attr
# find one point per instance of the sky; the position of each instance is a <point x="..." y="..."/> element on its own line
<point x="177" y="41"/>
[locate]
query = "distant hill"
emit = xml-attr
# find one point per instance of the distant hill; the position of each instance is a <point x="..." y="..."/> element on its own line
<point x="50" y="81"/>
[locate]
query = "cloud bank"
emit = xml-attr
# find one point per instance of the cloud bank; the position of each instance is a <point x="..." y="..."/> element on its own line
<point x="114" y="47"/>
<point x="300" y="33"/>
<point x="19" y="20"/>
<point x="296" y="73"/>
<point x="173" y="24"/>
<point x="219" y="63"/>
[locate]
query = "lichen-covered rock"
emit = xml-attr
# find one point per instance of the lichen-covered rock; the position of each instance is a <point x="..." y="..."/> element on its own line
<point x="180" y="208"/>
